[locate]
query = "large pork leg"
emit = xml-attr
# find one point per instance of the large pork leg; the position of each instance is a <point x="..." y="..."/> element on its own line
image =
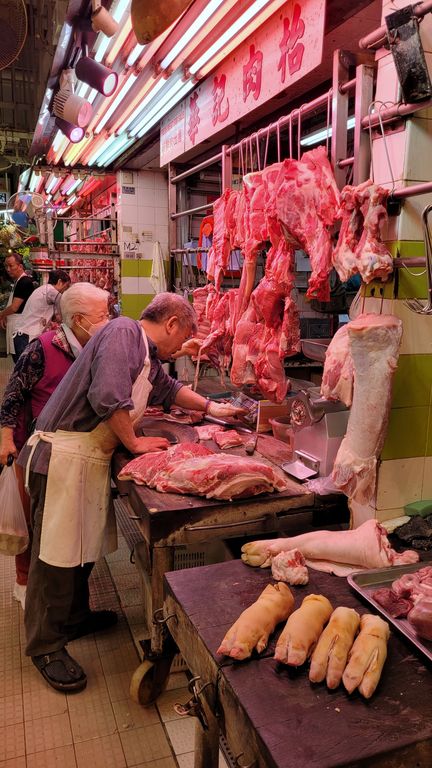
<point x="374" y="344"/>
<point x="366" y="547"/>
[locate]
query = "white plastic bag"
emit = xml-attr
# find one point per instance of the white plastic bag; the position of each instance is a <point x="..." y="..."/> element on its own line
<point x="14" y="537"/>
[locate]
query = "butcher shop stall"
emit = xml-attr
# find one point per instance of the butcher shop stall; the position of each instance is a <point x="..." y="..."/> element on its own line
<point x="299" y="189"/>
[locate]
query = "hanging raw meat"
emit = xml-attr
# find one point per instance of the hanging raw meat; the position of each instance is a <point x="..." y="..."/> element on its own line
<point x="307" y="202"/>
<point x="360" y="248"/>
<point x="374" y="261"/>
<point x="218" y="257"/>
<point x="374" y="344"/>
<point x="219" y="339"/>
<point x="193" y="469"/>
<point x="338" y="373"/>
<point x="344" y="254"/>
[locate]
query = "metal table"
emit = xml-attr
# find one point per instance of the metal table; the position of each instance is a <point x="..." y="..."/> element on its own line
<point x="166" y="521"/>
<point x="270" y="715"/>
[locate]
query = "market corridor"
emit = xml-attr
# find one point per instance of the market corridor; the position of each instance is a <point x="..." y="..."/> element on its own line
<point x="101" y="727"/>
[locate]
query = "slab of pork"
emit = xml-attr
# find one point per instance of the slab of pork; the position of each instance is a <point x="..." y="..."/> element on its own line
<point x="338" y="373"/>
<point x="374" y="344"/>
<point x="364" y="547"/>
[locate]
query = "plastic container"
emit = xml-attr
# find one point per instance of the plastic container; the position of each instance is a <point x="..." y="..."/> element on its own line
<point x="282" y="429"/>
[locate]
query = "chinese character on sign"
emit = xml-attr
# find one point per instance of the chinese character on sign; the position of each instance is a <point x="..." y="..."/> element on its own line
<point x="291" y="49"/>
<point x="194" y="117"/>
<point x="252" y="72"/>
<point x="220" y="112"/>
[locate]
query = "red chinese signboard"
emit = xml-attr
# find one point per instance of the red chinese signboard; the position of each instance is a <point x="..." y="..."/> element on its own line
<point x="283" y="50"/>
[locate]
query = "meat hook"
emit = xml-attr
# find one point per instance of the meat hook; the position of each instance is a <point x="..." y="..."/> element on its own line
<point x="415" y="305"/>
<point x="329" y="101"/>
<point x="299" y="133"/>
<point x="278" y="141"/>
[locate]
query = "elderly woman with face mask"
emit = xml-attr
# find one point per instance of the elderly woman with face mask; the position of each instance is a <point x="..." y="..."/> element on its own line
<point x="42" y="365"/>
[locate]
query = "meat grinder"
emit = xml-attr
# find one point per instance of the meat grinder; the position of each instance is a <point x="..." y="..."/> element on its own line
<point x="319" y="426"/>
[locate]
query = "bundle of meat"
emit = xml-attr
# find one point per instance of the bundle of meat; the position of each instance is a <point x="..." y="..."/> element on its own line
<point x="218" y="257"/>
<point x="338" y="552"/>
<point x="268" y="331"/>
<point x="99" y="272"/>
<point x="307" y="202"/>
<point x="410" y="596"/>
<point x="217" y="346"/>
<point x="223" y="438"/>
<point x="360" y="248"/>
<point x="194" y="469"/>
<point x="290" y="566"/>
<point x="374" y="342"/>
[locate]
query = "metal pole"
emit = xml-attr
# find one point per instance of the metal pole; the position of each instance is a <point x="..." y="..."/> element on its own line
<point x="191" y="210"/>
<point x="416" y="189"/>
<point x="363" y="98"/>
<point x="172" y="226"/>
<point x="199" y="167"/>
<point x="226" y="168"/>
<point x="394" y="113"/>
<point x="380" y="35"/>
<point x="341" y="62"/>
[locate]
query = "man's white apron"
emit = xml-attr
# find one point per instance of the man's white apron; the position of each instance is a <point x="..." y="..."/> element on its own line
<point x="78" y="523"/>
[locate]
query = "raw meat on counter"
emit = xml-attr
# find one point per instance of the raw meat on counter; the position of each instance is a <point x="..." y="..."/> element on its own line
<point x="339" y="552"/>
<point x="396" y="606"/>
<point x="421" y="617"/>
<point x="254" y="626"/>
<point x="290" y="566"/>
<point x="374" y="345"/>
<point x="207" y="431"/>
<point x="176" y="414"/>
<point x="228" y="439"/>
<point x="194" y="469"/>
<point x="338" y="373"/>
<point x="330" y="656"/>
<point x="302" y="630"/>
<point x="367" y="656"/>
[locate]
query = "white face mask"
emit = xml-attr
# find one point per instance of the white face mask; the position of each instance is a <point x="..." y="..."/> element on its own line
<point x="93" y="327"/>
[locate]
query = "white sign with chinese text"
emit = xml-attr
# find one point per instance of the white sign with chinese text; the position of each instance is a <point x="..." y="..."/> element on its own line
<point x="284" y="49"/>
<point x="172" y="134"/>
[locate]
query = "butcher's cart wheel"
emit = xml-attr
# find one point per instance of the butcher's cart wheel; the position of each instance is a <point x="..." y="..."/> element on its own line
<point x="149" y="680"/>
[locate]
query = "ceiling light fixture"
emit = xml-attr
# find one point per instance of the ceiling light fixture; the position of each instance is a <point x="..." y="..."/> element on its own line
<point x="101" y="149"/>
<point x="317" y="136"/>
<point x="177" y="86"/>
<point x="102" y="21"/>
<point x="134" y="54"/>
<point x="140" y="102"/>
<point x="120" y="40"/>
<point x="96" y="75"/>
<point x="102" y="42"/>
<point x="74" y="133"/>
<point x="68" y="105"/>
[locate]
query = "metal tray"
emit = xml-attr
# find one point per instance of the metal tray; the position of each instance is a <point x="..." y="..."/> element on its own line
<point x="366" y="582"/>
<point x="315" y="349"/>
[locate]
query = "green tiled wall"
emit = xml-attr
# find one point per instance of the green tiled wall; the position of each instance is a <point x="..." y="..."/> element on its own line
<point x="133" y="304"/>
<point x="412" y="381"/>
<point x="406" y="284"/>
<point x="407" y="434"/>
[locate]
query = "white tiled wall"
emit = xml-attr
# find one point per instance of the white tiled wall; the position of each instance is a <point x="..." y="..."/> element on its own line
<point x="143" y="214"/>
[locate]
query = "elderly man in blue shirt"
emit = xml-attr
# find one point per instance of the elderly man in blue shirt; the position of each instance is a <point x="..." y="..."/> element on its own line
<point x="95" y="408"/>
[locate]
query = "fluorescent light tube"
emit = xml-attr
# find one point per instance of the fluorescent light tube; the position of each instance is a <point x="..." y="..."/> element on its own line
<point x="143" y="104"/>
<point x="257" y="6"/>
<point x="134" y="54"/>
<point x="317" y="136"/>
<point x="196" y="25"/>
<point x="176" y="86"/>
<point x="116" y="149"/>
<point x="157" y="115"/>
<point x="100" y="150"/>
<point x="122" y="92"/>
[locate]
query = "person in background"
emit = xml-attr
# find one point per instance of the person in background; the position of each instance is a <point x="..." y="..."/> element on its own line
<point x="22" y="288"/>
<point x="39" y="309"/>
<point x="37" y="373"/>
<point x="97" y="406"/>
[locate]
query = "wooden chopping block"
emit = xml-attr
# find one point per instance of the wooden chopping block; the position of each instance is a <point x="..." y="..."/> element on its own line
<point x="273" y="449"/>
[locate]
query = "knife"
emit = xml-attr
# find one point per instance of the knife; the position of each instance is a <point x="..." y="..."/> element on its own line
<point x="228" y="424"/>
<point x="250" y="445"/>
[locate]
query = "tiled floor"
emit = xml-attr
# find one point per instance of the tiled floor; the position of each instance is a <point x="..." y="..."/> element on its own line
<point x="100" y="727"/>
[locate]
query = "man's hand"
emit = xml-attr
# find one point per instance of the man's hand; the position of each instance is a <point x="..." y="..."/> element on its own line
<point x="149" y="444"/>
<point x="7" y="446"/>
<point x="224" y="410"/>
<point x="3" y="322"/>
<point x="191" y="347"/>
